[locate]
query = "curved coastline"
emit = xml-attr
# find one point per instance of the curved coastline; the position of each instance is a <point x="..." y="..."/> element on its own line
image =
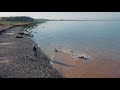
<point x="17" y="60"/>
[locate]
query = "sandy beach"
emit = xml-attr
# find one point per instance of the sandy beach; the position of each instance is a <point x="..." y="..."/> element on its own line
<point x="17" y="59"/>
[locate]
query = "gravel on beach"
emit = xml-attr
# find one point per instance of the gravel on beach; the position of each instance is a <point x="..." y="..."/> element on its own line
<point x="17" y="59"/>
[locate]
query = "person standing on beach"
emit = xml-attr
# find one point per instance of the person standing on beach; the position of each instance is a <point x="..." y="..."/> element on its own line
<point x="35" y="50"/>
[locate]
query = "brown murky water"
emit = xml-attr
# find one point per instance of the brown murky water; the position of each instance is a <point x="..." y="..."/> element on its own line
<point x="98" y="40"/>
<point x="97" y="67"/>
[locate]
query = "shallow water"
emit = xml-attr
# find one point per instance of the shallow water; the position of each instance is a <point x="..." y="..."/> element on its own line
<point x="101" y="37"/>
<point x="99" y="41"/>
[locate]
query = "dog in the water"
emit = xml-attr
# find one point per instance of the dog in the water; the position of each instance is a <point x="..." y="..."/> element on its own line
<point x="56" y="50"/>
<point x="83" y="57"/>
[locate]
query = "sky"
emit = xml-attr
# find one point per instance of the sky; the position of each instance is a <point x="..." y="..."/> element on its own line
<point x="66" y="15"/>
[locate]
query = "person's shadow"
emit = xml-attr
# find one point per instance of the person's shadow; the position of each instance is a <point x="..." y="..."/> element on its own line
<point x="56" y="62"/>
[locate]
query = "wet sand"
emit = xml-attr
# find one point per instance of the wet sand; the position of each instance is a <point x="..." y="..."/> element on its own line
<point x="17" y="59"/>
<point x="96" y="67"/>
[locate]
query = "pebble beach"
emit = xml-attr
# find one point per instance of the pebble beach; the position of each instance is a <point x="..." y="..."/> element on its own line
<point x="17" y="59"/>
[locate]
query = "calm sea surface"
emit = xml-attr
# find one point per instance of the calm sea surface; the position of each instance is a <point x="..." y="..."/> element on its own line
<point x="102" y="37"/>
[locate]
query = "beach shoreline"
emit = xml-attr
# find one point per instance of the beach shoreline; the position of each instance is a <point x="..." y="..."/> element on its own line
<point x="74" y="67"/>
<point x="17" y="59"/>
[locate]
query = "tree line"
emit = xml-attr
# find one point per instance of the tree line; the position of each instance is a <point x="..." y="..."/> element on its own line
<point x="20" y="18"/>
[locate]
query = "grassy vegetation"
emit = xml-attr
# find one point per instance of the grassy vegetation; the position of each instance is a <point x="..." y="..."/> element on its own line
<point x="12" y="23"/>
<point x="26" y="22"/>
<point x="22" y="20"/>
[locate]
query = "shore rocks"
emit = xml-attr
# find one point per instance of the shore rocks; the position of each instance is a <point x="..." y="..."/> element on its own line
<point x="21" y="33"/>
<point x="19" y="37"/>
